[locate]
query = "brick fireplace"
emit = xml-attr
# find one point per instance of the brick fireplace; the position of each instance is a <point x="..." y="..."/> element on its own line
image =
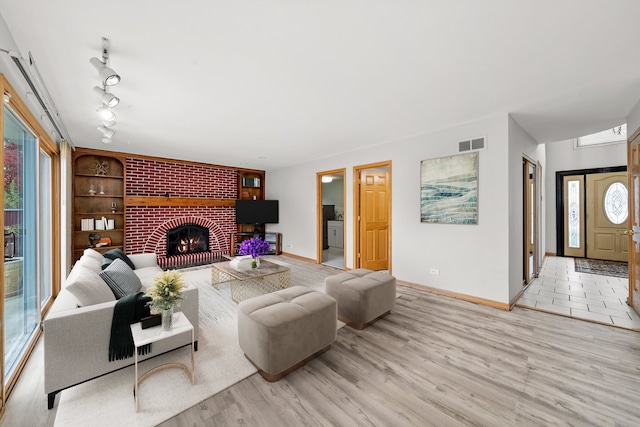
<point x="166" y="195"/>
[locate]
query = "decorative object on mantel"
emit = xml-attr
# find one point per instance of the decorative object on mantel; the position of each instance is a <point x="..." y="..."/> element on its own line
<point x="100" y="168"/>
<point x="256" y="247"/>
<point x="165" y="293"/>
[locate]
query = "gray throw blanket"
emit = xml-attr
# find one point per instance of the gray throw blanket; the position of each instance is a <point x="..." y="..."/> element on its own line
<point x="129" y="309"/>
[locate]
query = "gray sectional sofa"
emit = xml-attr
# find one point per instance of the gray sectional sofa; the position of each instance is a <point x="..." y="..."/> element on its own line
<point x="77" y="329"/>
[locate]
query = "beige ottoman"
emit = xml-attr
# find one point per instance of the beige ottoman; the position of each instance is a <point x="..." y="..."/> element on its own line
<point x="363" y="296"/>
<point x="281" y="331"/>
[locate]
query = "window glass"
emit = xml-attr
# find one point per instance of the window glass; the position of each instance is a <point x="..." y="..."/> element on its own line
<point x="616" y="203"/>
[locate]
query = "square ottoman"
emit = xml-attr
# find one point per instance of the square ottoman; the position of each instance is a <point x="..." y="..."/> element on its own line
<point x="363" y="295"/>
<point x="281" y="331"/>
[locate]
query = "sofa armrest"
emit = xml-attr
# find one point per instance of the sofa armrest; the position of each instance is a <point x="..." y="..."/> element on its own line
<point x="143" y="260"/>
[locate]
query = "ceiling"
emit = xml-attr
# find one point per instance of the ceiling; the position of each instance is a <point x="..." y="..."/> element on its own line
<point x="269" y="84"/>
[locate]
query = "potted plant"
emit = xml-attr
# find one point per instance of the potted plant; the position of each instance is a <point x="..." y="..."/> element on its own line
<point x="165" y="294"/>
<point x="256" y="247"/>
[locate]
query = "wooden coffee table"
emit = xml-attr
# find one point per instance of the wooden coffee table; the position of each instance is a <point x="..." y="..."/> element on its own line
<point x="250" y="282"/>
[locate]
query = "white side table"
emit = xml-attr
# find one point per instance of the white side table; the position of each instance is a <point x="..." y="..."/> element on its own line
<point x="154" y="334"/>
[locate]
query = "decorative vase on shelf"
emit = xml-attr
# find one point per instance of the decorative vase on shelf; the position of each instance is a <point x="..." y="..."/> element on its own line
<point x="255" y="262"/>
<point x="167" y="319"/>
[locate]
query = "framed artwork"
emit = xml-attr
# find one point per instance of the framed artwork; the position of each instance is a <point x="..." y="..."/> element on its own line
<point x="449" y="189"/>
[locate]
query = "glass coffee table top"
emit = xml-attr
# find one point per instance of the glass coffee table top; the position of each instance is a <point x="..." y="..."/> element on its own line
<point x="249" y="282"/>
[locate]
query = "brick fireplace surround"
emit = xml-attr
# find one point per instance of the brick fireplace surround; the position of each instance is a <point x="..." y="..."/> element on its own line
<point x="172" y="186"/>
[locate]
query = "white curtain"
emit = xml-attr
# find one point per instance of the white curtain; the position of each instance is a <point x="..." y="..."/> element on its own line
<point x="66" y="222"/>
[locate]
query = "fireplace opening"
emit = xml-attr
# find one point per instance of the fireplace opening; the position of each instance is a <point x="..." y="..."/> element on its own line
<point x="187" y="239"/>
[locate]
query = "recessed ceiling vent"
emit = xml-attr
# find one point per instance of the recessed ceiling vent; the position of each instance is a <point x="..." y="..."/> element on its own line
<point x="473" y="144"/>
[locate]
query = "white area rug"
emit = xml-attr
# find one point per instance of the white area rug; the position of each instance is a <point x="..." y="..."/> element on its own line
<point x="219" y="362"/>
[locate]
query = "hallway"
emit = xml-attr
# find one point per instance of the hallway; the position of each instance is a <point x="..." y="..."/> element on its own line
<point x="559" y="289"/>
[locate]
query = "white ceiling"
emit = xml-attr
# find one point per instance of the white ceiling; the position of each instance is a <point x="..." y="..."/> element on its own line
<point x="266" y="84"/>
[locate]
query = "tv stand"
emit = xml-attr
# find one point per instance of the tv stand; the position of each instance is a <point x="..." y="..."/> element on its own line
<point x="274" y="240"/>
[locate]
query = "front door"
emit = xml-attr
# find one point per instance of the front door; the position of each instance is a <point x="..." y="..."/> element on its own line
<point x="607" y="209"/>
<point x="633" y="159"/>
<point x="374" y="219"/>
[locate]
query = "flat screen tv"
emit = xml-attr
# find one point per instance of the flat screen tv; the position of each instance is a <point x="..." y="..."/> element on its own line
<point x="256" y="211"/>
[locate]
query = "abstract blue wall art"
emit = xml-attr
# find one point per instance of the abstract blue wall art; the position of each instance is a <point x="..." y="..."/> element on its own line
<point x="449" y="189"/>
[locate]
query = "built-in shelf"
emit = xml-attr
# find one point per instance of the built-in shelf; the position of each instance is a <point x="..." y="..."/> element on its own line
<point x="96" y="172"/>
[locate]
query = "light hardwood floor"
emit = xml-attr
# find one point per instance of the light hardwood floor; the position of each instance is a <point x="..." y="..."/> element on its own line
<point x="435" y="361"/>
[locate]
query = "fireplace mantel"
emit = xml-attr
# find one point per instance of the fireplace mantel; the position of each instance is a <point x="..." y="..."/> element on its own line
<point x="176" y="201"/>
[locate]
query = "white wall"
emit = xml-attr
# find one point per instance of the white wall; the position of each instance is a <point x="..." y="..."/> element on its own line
<point x="633" y="120"/>
<point x="521" y="144"/>
<point x="472" y="259"/>
<point x="562" y="156"/>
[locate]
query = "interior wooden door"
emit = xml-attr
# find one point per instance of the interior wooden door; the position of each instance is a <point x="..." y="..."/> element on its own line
<point x="633" y="167"/>
<point x="607" y="219"/>
<point x="374" y="219"/>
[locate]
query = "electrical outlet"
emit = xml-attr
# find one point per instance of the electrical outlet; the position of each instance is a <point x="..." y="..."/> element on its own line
<point x="434" y="271"/>
<point x="289" y="246"/>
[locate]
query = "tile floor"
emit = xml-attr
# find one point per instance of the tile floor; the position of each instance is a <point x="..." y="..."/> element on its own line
<point x="333" y="257"/>
<point x="561" y="290"/>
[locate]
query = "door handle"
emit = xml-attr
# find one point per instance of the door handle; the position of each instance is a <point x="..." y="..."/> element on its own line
<point x="629" y="232"/>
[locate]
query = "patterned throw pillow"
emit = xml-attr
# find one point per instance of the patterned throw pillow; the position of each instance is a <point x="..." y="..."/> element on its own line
<point x="121" y="278"/>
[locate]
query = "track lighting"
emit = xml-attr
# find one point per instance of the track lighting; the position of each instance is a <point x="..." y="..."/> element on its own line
<point x="106" y="114"/>
<point x="107" y="133"/>
<point x="108" y="76"/>
<point x="108" y="99"/>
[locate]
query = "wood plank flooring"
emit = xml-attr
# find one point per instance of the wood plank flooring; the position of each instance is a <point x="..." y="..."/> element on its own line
<point x="434" y="361"/>
<point x="445" y="362"/>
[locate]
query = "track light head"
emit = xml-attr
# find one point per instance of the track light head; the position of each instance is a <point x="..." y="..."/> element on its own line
<point x="108" y="76"/>
<point x="106" y="114"/>
<point x="107" y="140"/>
<point x="108" y="99"/>
<point x="107" y="133"/>
<point x="108" y="123"/>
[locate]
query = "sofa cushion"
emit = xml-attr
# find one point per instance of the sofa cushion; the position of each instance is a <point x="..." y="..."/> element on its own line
<point x="88" y="287"/>
<point x="118" y="254"/>
<point x="121" y="278"/>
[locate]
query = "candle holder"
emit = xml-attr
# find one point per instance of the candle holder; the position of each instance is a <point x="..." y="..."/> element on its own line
<point x="114" y="207"/>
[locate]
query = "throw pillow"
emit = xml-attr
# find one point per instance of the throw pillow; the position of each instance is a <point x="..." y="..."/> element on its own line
<point x="88" y="287"/>
<point x="93" y="254"/>
<point x="117" y="253"/>
<point x="106" y="262"/>
<point x="121" y="279"/>
<point x="91" y="263"/>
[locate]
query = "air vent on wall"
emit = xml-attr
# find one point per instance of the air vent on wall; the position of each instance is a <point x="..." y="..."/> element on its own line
<point x="473" y="144"/>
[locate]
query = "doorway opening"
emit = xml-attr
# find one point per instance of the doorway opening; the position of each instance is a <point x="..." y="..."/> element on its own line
<point x="587" y="221"/>
<point x="372" y="212"/>
<point x="331" y="217"/>
<point x="531" y="217"/>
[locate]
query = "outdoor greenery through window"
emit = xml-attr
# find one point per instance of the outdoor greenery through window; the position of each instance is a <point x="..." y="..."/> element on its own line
<point x="21" y="303"/>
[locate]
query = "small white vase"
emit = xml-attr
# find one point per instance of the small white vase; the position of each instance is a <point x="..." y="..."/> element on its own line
<point x="167" y="319"/>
